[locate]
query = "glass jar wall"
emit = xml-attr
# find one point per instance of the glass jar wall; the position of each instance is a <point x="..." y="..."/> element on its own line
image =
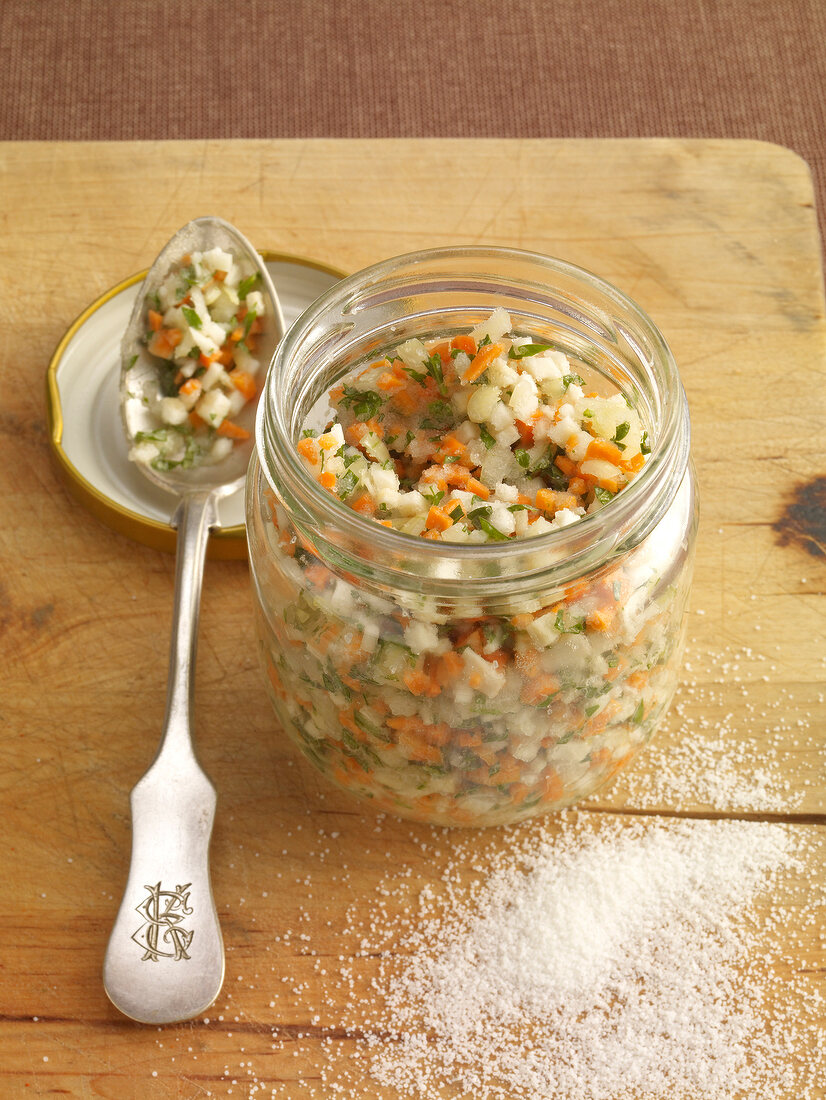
<point x="470" y="684"/>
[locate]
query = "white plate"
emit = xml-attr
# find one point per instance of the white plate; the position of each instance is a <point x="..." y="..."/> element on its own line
<point x="86" y="432"/>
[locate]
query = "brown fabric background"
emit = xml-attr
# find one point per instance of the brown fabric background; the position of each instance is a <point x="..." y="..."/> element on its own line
<point x="121" y="69"/>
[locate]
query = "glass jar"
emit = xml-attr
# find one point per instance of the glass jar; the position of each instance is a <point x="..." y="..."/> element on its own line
<point x="549" y="660"/>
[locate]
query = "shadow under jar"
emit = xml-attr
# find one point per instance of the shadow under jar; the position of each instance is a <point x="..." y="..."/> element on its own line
<point x="564" y="647"/>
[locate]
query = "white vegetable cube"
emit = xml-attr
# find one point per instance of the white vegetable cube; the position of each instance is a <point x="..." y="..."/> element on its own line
<point x="255" y="303"/>
<point x="220" y="449"/>
<point x="564" y="517"/>
<point x="236" y="402"/>
<point x="599" y="468"/>
<point x="500" y="417"/>
<point x="481" y="403"/>
<point x="545" y="366"/>
<point x="502" y="374"/>
<point x="424" y="638"/>
<point x="144" y="452"/>
<point x="482" y="675"/>
<point x="525" y="398"/>
<point x="412" y="353"/>
<point x="215" y="259"/>
<point x="213" y="376"/>
<point x="172" y="410"/>
<point x="495" y="326"/>
<point x="213" y="407"/>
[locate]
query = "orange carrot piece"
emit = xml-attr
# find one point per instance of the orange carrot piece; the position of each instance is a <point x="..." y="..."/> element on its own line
<point x="437" y="520"/>
<point x="566" y="465"/>
<point x="364" y="504"/>
<point x="308" y="448"/>
<point x="477" y="488"/>
<point x="155" y="320"/>
<point x="190" y="386"/>
<point x="538" y="688"/>
<point x="232" y="430"/>
<point x="164" y="342"/>
<point x="601" y="448"/>
<point x="481" y="361"/>
<point x="327" y="480"/>
<point x="244" y="383"/>
<point x="418" y="682"/>
<point x="465" y="342"/>
<point x="388" y="382"/>
<point x="318" y="575"/>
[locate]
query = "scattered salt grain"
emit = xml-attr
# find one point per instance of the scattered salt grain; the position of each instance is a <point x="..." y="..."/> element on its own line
<point x="598" y="962"/>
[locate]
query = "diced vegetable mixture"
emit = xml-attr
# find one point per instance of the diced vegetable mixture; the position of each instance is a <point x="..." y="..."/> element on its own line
<point x="472" y="718"/>
<point x="202" y="325"/>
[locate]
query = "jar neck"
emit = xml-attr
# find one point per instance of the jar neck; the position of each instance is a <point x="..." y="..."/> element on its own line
<point x="416" y="295"/>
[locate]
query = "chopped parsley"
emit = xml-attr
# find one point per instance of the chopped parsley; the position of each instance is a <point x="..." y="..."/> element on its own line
<point x="364" y="403"/>
<point x="525" y="350"/>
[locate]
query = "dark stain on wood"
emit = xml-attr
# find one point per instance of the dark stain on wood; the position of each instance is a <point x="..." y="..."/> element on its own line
<point x="804" y="520"/>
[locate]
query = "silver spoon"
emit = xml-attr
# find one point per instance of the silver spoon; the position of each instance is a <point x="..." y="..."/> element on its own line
<point x="165" y="958"/>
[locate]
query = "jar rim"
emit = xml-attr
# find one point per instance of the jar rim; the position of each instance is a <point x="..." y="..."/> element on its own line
<point x="568" y="548"/>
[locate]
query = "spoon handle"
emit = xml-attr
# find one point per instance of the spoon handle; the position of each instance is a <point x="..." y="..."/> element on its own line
<point x="165" y="958"/>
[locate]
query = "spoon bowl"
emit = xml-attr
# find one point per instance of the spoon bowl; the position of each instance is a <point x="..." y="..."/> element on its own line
<point x="140" y="380"/>
<point x="165" y="958"/>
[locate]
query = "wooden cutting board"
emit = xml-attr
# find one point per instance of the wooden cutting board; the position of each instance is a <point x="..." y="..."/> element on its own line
<point x="715" y="239"/>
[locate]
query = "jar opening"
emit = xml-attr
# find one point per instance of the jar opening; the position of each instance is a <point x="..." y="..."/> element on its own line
<point x="446" y="291"/>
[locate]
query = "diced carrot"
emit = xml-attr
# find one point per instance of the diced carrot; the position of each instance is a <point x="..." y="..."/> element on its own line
<point x="610" y="483"/>
<point x="328" y="442"/>
<point x="566" y="465"/>
<point x="418" y="682"/>
<point x="226" y="356"/>
<point x="450" y="446"/>
<point x="327" y="480"/>
<point x="553" y="788"/>
<point x="155" y="320"/>
<point x="576" y="591"/>
<point x="464" y="342"/>
<point x="525" y="432"/>
<point x="449" y="667"/>
<point x="244" y="383"/>
<point x="601" y="448"/>
<point x="442" y="350"/>
<point x="537" y="688"/>
<point x="318" y="575"/>
<point x="477" y="488"/>
<point x="577" y="485"/>
<point x="190" y="386"/>
<point x="481" y="361"/>
<point x="230" y="430"/>
<point x="389" y="383"/>
<point x="510" y="771"/>
<point x="634" y="464"/>
<point x="546" y="500"/>
<point x="418" y="750"/>
<point x="308" y="448"/>
<point x="364" y="504"/>
<point x="164" y="342"/>
<point x="600" y="619"/>
<point x="437" y="520"/>
<point x="527" y="660"/>
<point x="355" y="433"/>
<point x="196" y="421"/>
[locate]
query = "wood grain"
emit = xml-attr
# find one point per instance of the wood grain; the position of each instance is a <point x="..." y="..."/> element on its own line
<point x="715" y="239"/>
